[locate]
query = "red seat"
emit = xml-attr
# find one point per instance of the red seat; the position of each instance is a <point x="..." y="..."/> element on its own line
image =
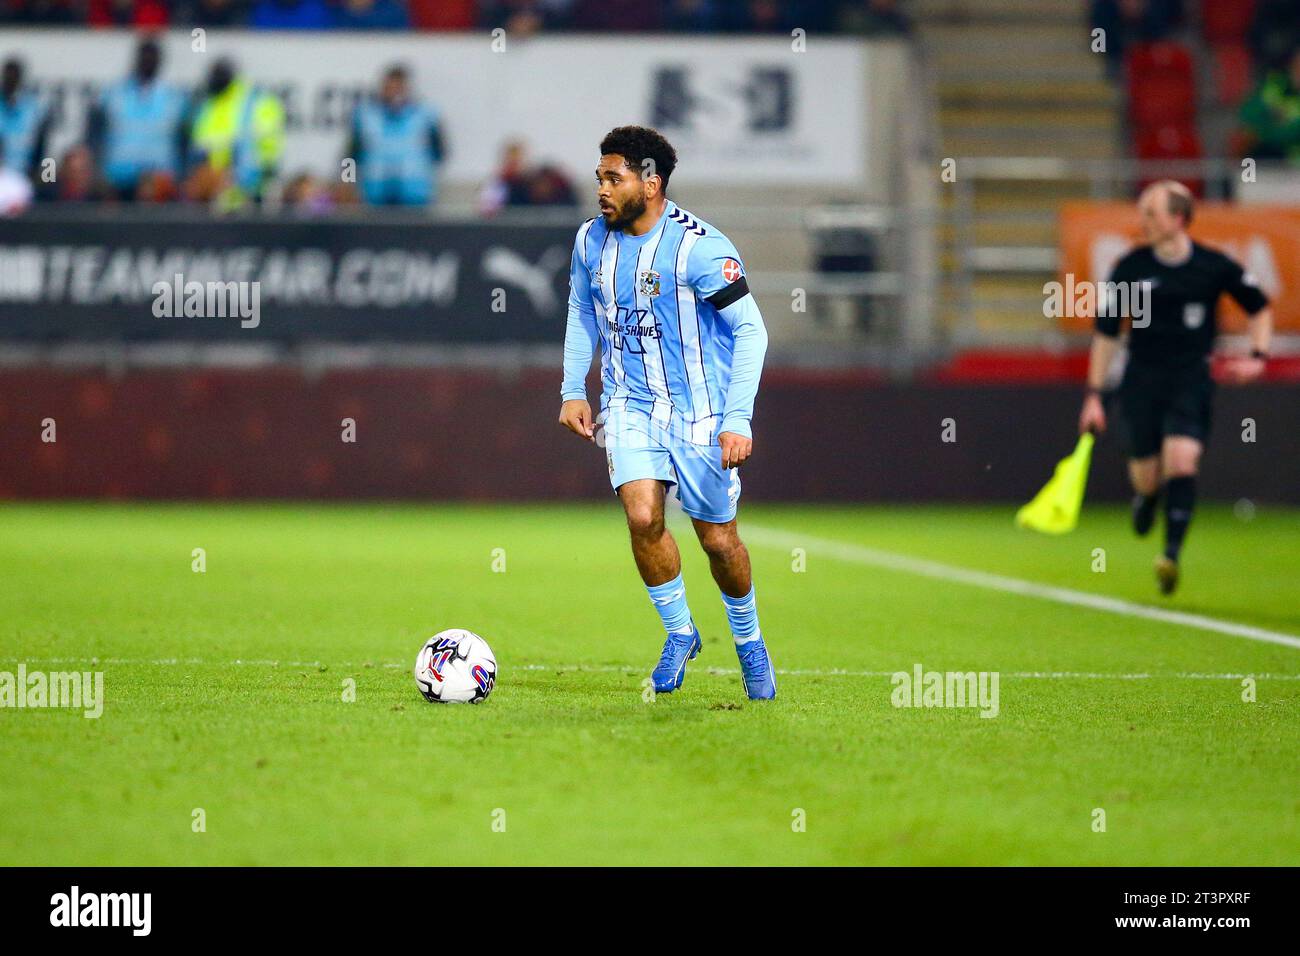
<point x="145" y="14"/>
<point x="1226" y="21"/>
<point x="1232" y="73"/>
<point x="442" y="14"/>
<point x="1170" y="142"/>
<point x="1161" y="87"/>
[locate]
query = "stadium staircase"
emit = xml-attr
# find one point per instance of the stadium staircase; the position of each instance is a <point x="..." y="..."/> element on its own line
<point x="1015" y="80"/>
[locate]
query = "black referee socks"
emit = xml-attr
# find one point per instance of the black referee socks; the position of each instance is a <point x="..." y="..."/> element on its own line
<point x="1180" y="499"/>
<point x="1144" y="513"/>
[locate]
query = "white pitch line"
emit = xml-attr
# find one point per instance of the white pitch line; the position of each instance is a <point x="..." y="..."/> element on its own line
<point x="858" y="554"/>
<point x="630" y="669"/>
<point x="838" y="672"/>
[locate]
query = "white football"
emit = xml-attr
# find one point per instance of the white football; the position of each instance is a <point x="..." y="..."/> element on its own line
<point x="455" y="666"/>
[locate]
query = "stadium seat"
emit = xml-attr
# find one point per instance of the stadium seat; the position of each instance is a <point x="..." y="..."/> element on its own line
<point x="142" y="14"/>
<point x="1226" y="21"/>
<point x="1161" y="87"/>
<point x="442" y="14"/>
<point x="1232" y="73"/>
<point x="1170" y="142"/>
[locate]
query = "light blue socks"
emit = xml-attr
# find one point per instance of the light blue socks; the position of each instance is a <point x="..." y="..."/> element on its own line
<point x="742" y="615"/>
<point x="670" y="601"/>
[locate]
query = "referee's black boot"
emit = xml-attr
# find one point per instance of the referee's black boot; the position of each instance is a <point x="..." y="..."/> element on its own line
<point x="1144" y="513"/>
<point x="1166" y="574"/>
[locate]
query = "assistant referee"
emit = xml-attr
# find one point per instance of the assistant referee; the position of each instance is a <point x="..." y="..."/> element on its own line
<point x="1165" y="397"/>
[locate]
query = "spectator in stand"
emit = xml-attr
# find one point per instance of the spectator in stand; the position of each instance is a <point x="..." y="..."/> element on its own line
<point x="24" y="121"/>
<point x="371" y="15"/>
<point x="1126" y="22"/>
<point x="509" y="185"/>
<point x="525" y="17"/>
<point x="291" y="15"/>
<point x="77" y="180"/>
<point x="874" y="18"/>
<point x="15" y="189"/>
<point x="45" y="11"/>
<point x="695" y="16"/>
<point x="1272" y="114"/>
<point x="236" y="141"/>
<point x="213" y="13"/>
<point x="398" y="145"/>
<point x="617" y="15"/>
<point x="760" y="16"/>
<point x="1274" y="32"/>
<point x="775" y="16"/>
<point x="157" y="187"/>
<point x="139" y="125"/>
<point x="128" y="13"/>
<point x="547" y="186"/>
<point x="515" y="183"/>
<point x="306" y="195"/>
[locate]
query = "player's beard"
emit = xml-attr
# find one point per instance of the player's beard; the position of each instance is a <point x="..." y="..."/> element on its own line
<point x="624" y="215"/>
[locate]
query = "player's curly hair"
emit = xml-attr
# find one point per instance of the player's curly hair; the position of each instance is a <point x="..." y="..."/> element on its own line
<point x="636" y="144"/>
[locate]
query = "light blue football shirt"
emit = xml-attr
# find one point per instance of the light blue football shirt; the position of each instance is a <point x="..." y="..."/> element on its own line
<point x="681" y="338"/>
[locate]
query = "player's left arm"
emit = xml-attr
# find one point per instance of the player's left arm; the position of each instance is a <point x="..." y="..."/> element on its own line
<point x="1245" y="290"/>
<point x="718" y="277"/>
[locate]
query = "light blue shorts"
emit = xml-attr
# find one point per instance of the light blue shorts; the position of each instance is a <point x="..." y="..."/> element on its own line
<point x="706" y="490"/>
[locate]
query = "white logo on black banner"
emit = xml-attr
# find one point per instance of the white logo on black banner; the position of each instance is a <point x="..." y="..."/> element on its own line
<point x="507" y="265"/>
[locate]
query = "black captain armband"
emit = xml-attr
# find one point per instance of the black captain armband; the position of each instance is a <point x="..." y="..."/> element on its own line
<point x="729" y="294"/>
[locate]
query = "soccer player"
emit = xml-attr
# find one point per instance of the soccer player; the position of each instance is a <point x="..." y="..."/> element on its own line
<point x="681" y="350"/>
<point x="1166" y="393"/>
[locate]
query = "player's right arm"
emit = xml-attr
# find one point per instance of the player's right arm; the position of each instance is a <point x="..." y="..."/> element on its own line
<point x="580" y="338"/>
<point x="1101" y="356"/>
<point x="1092" y="417"/>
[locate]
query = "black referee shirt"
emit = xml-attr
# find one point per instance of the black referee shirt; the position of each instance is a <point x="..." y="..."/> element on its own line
<point x="1183" y="304"/>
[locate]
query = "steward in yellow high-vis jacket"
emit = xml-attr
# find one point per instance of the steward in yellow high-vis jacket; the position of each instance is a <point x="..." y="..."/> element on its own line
<point x="239" y="133"/>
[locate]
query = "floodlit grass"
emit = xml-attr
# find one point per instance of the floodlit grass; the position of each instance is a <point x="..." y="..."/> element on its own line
<point x="224" y="692"/>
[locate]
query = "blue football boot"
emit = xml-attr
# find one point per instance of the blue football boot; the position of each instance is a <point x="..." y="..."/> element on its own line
<point x="756" y="670"/>
<point x="671" y="669"/>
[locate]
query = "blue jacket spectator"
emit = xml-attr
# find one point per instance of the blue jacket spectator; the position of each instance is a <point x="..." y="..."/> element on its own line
<point x="24" y="122"/>
<point x="139" y="125"/>
<point x="397" y="143"/>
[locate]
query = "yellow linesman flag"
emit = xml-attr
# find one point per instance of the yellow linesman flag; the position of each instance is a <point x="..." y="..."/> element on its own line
<point x="1055" y="509"/>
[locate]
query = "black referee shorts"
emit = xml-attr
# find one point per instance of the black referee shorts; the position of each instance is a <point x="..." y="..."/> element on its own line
<point x="1158" y="402"/>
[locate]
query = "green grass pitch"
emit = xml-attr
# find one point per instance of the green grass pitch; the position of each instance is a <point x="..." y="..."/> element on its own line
<point x="224" y="692"/>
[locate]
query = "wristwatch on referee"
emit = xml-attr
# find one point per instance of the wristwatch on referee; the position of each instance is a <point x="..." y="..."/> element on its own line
<point x="1259" y="354"/>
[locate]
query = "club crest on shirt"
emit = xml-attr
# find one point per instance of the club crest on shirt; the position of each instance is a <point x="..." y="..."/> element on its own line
<point x="598" y="277"/>
<point x="649" y="283"/>
<point x="731" y="270"/>
<point x="1193" y="314"/>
